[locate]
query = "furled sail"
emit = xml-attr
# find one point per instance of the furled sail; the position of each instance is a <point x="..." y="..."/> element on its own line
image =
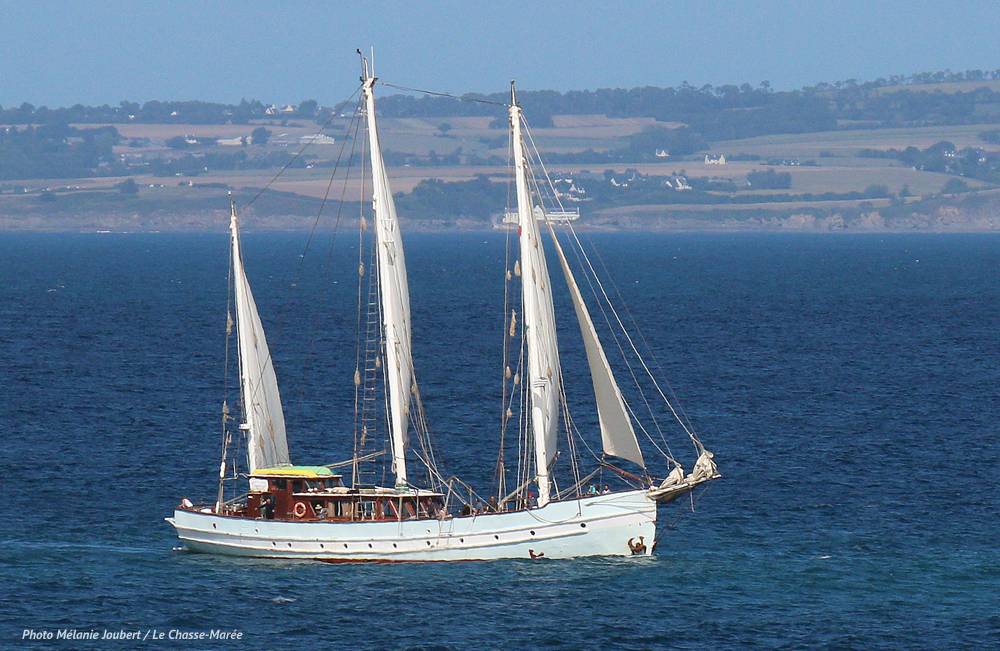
<point x="539" y="322"/>
<point x="395" y="295"/>
<point x="617" y="434"/>
<point x="264" y="421"/>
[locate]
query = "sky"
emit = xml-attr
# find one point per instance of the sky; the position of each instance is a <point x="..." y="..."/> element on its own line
<point x="102" y="52"/>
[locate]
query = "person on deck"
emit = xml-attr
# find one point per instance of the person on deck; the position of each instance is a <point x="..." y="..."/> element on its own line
<point x="607" y="489"/>
<point x="491" y="506"/>
<point x="266" y="507"/>
<point x="532" y="502"/>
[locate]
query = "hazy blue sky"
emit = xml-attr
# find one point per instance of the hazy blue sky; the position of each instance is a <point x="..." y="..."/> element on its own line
<point x="96" y="52"/>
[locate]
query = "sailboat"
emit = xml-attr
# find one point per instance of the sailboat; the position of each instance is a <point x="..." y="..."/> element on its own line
<point x="314" y="512"/>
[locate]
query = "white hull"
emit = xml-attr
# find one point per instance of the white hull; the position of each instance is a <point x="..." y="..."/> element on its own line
<point x="601" y="525"/>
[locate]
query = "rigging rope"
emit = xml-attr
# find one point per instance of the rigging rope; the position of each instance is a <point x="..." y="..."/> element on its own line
<point x="329" y="263"/>
<point x="291" y="292"/>
<point x="593" y="278"/>
<point x="431" y="92"/>
<point x="645" y="344"/>
<point x="299" y="152"/>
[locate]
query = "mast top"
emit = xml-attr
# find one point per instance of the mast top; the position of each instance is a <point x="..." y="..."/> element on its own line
<point x="367" y="67"/>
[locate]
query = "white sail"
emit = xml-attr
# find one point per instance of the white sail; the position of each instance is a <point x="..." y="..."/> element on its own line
<point x="264" y="421"/>
<point x="395" y="295"/>
<point x="617" y="434"/>
<point x="539" y="322"/>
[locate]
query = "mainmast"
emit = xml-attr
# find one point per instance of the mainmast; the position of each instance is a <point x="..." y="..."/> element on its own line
<point x="394" y="292"/>
<point x="539" y="320"/>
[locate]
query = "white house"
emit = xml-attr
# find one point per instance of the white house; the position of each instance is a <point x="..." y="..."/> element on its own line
<point x="317" y="139"/>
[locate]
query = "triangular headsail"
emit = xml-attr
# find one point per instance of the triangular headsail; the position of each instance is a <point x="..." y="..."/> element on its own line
<point x="263" y="418"/>
<point x="395" y="294"/>
<point x="617" y="434"/>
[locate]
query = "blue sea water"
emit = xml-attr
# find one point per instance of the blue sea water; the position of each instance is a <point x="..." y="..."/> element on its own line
<point x="848" y="386"/>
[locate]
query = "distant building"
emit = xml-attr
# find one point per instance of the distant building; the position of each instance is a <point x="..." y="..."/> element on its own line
<point x="317" y="139"/>
<point x="662" y="153"/>
<point x="677" y="183"/>
<point x="572" y="193"/>
<point x="721" y="160"/>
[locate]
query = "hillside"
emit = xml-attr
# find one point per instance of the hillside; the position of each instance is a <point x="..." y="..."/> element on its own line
<point x="708" y="158"/>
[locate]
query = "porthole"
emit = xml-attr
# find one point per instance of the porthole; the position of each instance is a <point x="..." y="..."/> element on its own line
<point x="321" y="546"/>
<point x="394" y="545"/>
<point x="274" y="544"/>
<point x="583" y="525"/>
<point x="461" y="540"/>
<point x="496" y="536"/>
<point x="345" y="545"/>
<point x="215" y="526"/>
<point x="532" y="533"/>
<point x="369" y="545"/>
<point x="428" y="543"/>
<point x="289" y="544"/>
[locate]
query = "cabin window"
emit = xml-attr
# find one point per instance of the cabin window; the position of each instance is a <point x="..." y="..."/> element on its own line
<point x="279" y="485"/>
<point x="297" y="487"/>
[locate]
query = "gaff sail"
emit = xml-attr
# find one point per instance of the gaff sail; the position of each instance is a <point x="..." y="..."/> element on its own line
<point x="263" y="418"/>
<point x="395" y="295"/>
<point x="539" y="322"/>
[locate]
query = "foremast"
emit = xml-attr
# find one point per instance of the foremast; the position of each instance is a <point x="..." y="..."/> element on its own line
<point x="539" y="321"/>
<point x="263" y="420"/>
<point x="394" y="293"/>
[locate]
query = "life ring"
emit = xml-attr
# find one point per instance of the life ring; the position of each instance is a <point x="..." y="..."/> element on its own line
<point x="300" y="509"/>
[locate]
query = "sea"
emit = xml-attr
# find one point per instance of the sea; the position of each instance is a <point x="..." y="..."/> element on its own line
<point x="848" y="385"/>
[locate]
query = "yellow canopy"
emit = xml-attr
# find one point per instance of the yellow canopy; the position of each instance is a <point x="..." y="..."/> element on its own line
<point x="309" y="472"/>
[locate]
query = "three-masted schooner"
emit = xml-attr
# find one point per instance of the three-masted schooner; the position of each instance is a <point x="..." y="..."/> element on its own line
<point x="310" y="512"/>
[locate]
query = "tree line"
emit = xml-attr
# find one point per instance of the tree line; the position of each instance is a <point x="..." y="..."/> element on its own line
<point x="157" y="112"/>
<point x="714" y="112"/>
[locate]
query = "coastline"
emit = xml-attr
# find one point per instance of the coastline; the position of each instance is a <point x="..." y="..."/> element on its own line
<point x="948" y="217"/>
